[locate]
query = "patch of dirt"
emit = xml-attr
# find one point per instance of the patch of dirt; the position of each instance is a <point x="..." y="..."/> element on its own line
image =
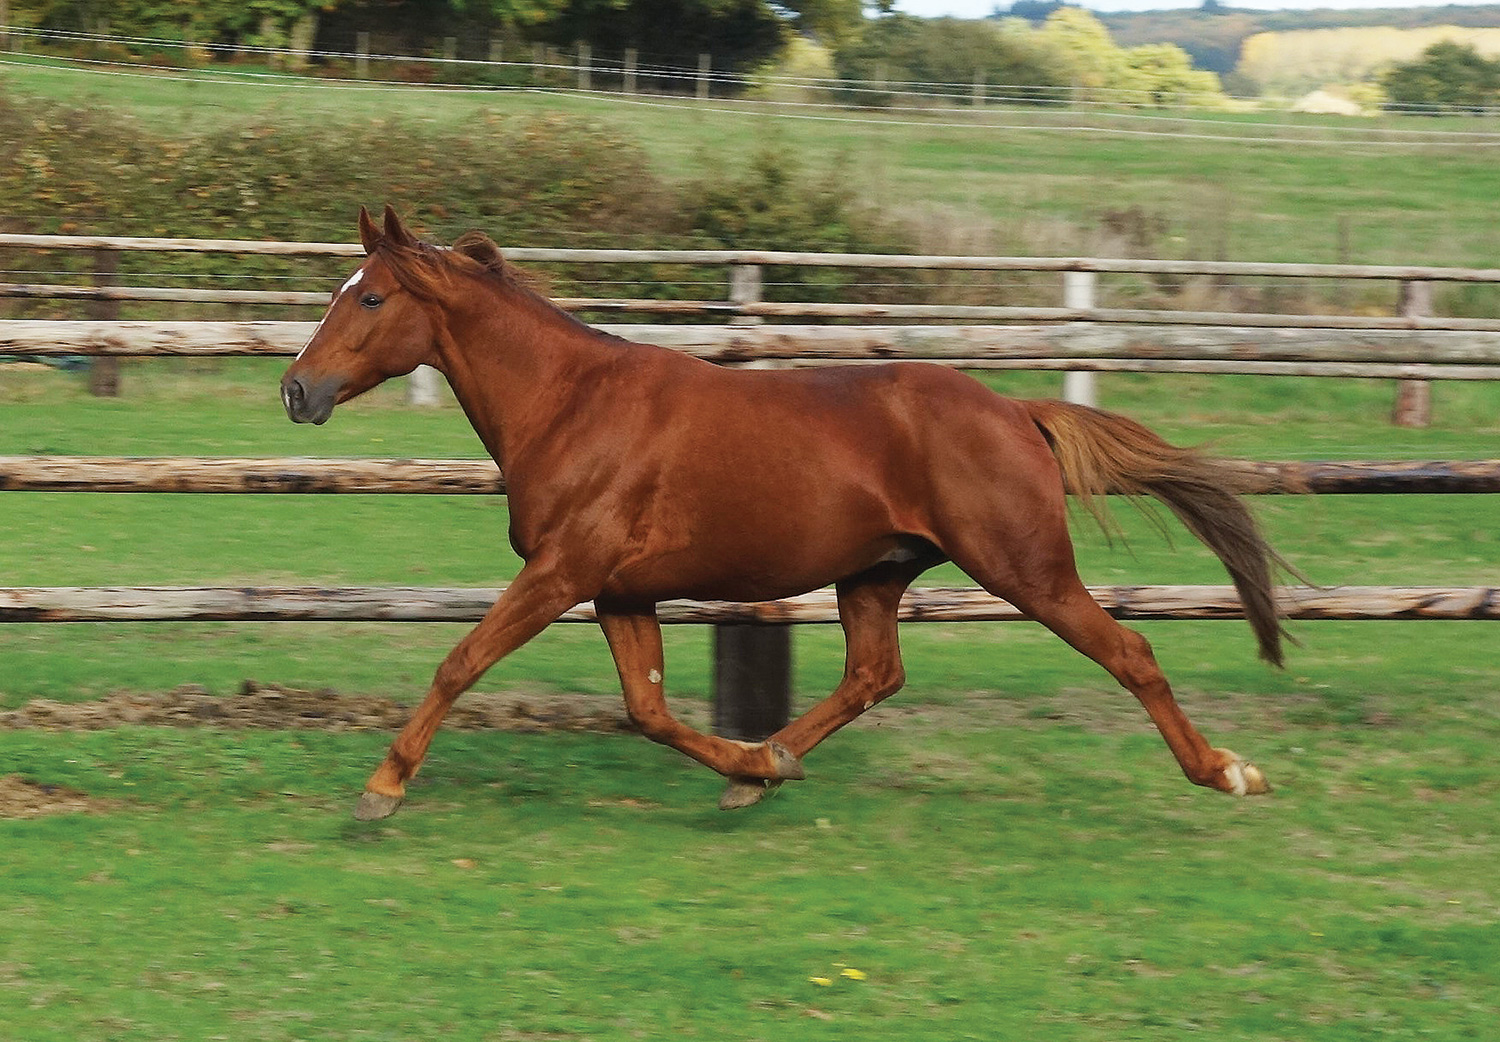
<point x="277" y="707"/>
<point x="274" y="707"/>
<point x="23" y="798"/>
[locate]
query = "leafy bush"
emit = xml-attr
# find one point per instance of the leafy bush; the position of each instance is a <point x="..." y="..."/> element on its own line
<point x="544" y="179"/>
<point x="1448" y="75"/>
<point x="774" y="204"/>
<point x="935" y="52"/>
<point x="541" y="180"/>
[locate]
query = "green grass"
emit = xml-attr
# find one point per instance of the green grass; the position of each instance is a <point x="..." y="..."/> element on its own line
<point x="981" y="882"/>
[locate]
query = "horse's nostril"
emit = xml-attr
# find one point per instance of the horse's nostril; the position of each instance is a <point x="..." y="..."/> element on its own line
<point x="292" y="396"/>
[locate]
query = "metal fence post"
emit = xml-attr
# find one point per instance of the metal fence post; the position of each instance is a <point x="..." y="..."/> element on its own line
<point x="423" y="387"/>
<point x="1078" y="292"/>
<point x="752" y="682"/>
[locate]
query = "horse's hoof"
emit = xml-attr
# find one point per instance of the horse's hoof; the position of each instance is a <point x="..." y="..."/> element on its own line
<point x="373" y="806"/>
<point x="745" y="792"/>
<point x="1245" y="779"/>
<point x="788" y="767"/>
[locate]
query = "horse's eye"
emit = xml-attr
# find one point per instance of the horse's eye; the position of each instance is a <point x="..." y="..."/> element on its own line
<point x="371" y="300"/>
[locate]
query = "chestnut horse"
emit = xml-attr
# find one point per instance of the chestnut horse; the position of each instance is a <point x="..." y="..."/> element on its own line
<point x="638" y="474"/>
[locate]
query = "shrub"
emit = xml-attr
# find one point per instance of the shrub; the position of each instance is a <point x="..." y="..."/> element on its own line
<point x="1448" y="75"/>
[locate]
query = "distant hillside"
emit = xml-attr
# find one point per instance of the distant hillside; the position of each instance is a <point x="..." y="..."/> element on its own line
<point x="1213" y="35"/>
<point x="1292" y="63"/>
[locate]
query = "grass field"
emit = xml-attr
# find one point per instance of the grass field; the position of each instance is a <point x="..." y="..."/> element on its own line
<point x="946" y="879"/>
<point x="1003" y="851"/>
<point x="1202" y="189"/>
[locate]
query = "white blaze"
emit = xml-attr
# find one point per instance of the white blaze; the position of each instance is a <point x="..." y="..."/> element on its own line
<point x="349" y="284"/>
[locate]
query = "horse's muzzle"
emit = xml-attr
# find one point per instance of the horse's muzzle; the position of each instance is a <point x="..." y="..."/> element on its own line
<point x="308" y="401"/>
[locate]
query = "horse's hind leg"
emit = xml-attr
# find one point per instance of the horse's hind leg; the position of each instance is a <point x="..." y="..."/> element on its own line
<point x="1079" y="620"/>
<point x="634" y="637"/>
<point x="1042" y="581"/>
<point x="872" y="669"/>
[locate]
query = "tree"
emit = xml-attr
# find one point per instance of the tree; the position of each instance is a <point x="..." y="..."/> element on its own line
<point x="829" y="22"/>
<point x="738" y="33"/>
<point x="266" y="22"/>
<point x="1092" y="59"/>
<point x="1448" y="75"/>
<point x="1035" y="11"/>
<point x="1165" y="73"/>
<point x="1152" y="74"/>
<point x="945" y="55"/>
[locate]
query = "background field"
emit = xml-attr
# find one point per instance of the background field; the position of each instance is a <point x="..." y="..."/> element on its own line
<point x="1246" y="187"/>
<point x="1004" y="850"/>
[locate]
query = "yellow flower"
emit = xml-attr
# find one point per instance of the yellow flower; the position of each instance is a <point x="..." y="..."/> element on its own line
<point x="822" y="982"/>
<point x="852" y="973"/>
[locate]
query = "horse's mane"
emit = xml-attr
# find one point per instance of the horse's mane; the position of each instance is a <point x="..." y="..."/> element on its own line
<point x="429" y="272"/>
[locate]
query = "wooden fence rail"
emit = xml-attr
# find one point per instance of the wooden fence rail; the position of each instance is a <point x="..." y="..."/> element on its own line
<point x="197" y="474"/>
<point x="929" y="604"/>
<point x="925" y="262"/>
<point x="1439" y="353"/>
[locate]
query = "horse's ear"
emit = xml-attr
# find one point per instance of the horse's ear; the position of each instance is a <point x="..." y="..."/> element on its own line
<point x="478" y="246"/>
<point x="369" y="235"/>
<point x="395" y="231"/>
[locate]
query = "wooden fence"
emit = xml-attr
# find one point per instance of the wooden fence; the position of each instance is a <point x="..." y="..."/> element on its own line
<point x="1412" y="346"/>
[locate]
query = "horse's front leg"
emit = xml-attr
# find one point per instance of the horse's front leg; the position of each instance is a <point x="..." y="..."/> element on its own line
<point x="634" y="636"/>
<point x="537" y="596"/>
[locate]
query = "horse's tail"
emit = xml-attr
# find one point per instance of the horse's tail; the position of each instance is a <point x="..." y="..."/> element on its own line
<point x="1101" y="453"/>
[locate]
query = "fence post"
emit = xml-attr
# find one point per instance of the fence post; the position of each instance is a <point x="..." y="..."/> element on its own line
<point x="362" y="55"/>
<point x="704" y="64"/>
<point x="104" y="370"/>
<point x="752" y="682"/>
<point x="1413" y="406"/>
<point x="744" y="288"/>
<point x="630" y="59"/>
<point x="1078" y="292"/>
<point x="422" y="386"/>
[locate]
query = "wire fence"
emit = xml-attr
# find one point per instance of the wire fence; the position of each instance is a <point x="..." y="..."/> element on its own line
<point x="625" y="79"/>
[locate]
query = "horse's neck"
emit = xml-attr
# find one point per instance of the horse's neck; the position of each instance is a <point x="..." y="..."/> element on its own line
<point x="512" y="367"/>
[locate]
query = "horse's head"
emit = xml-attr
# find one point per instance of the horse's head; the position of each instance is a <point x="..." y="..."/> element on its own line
<point x="375" y="328"/>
